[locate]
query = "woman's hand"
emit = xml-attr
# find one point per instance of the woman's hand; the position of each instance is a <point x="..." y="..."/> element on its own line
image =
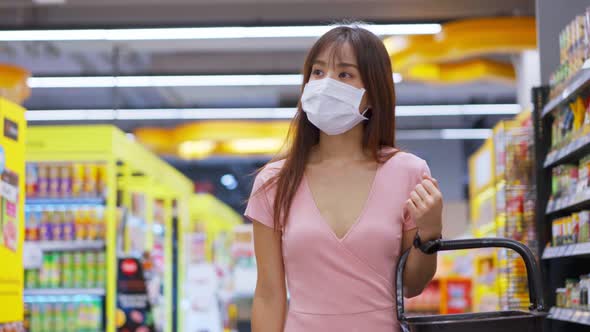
<point x="425" y="206"/>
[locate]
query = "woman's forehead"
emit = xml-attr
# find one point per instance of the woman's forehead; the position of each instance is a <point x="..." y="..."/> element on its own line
<point x="337" y="53"/>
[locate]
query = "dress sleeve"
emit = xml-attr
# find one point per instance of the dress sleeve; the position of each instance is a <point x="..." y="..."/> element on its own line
<point x="259" y="205"/>
<point x="416" y="178"/>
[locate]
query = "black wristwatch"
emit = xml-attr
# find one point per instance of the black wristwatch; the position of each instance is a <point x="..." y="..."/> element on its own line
<point x="425" y="247"/>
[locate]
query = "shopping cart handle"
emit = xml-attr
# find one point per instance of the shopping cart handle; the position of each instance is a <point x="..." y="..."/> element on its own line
<point x="533" y="272"/>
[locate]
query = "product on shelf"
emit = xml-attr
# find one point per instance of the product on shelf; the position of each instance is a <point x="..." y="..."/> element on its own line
<point x="66" y="180"/>
<point x="570" y="122"/>
<point x="574" y="49"/>
<point x="564" y="180"/>
<point x="64" y="223"/>
<point x="77" y="315"/>
<point x="575" y="294"/>
<point x="571" y="229"/>
<point x="12" y="327"/>
<point x="68" y="270"/>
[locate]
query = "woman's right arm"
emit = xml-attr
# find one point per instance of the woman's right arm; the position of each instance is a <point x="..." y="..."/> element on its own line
<point x="270" y="299"/>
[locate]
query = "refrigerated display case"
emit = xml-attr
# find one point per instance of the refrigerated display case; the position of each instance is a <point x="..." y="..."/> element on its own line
<point x="80" y="180"/>
<point x="206" y="282"/>
<point x="13" y="133"/>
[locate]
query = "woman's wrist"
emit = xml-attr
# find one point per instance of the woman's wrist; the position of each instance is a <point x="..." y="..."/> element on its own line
<point x="429" y="234"/>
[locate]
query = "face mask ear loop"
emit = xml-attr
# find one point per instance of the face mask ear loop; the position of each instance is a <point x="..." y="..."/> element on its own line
<point x="365" y="112"/>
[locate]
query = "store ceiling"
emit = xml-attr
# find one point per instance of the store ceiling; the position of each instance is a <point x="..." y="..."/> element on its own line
<point x="233" y="56"/>
<point x="253" y="12"/>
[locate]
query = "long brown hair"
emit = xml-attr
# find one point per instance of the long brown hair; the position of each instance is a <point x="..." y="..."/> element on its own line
<point x="379" y="131"/>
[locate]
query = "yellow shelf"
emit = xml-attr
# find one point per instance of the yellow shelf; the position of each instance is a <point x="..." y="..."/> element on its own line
<point x="129" y="167"/>
<point x="12" y="142"/>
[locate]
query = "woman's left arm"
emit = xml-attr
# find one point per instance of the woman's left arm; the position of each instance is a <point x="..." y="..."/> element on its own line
<point x="425" y="207"/>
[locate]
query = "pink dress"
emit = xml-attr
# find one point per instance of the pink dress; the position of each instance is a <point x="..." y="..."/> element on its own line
<point x="344" y="284"/>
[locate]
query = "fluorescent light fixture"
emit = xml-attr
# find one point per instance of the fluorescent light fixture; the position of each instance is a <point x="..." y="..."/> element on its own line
<point x="196" y="149"/>
<point x="170" y="81"/>
<point x="205" y="114"/>
<point x="445" y="134"/>
<point x="163" y="81"/>
<point x="466" y="133"/>
<point x="235" y="32"/>
<point x="69" y="115"/>
<point x="252" y="113"/>
<point x="253" y="145"/>
<point x="458" y="110"/>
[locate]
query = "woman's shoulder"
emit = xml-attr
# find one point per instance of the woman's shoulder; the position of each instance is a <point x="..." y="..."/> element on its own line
<point x="270" y="170"/>
<point x="405" y="162"/>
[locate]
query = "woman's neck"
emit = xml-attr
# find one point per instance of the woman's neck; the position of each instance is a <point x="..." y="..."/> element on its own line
<point x="344" y="147"/>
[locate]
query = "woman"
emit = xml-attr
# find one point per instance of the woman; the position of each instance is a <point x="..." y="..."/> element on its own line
<point x="333" y="216"/>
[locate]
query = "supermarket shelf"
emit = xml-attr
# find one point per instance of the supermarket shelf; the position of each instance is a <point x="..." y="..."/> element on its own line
<point x="66" y="201"/>
<point x="572" y="250"/>
<point x="68" y="245"/>
<point x="576" y="83"/>
<point x="64" y="292"/>
<point x="570" y="315"/>
<point x="572" y="152"/>
<point x="570" y="203"/>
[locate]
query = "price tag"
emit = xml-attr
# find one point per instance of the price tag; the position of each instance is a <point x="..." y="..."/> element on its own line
<point x="558" y="313"/>
<point x="561" y="251"/>
<point x="586" y="318"/>
<point x="570" y="250"/>
<point x="550" y="206"/>
<point x="582" y="249"/>
<point x="548" y="253"/>
<point x="32" y="256"/>
<point x="552" y="311"/>
<point x="575" y="144"/>
<point x="578" y="316"/>
<point x="570" y="315"/>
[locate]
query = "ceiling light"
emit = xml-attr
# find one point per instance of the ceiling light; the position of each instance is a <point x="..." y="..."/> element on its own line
<point x="170" y="81"/>
<point x="229" y="181"/>
<point x="69" y="115"/>
<point x="207" y="33"/>
<point x="196" y="149"/>
<point x="253" y="145"/>
<point x="445" y="134"/>
<point x="458" y="110"/>
<point x="253" y="113"/>
<point x="466" y="133"/>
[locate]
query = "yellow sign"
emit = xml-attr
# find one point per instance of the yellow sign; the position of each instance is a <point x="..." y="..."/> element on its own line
<point x="12" y="196"/>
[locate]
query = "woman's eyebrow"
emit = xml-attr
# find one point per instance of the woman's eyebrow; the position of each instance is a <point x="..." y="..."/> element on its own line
<point x="346" y="64"/>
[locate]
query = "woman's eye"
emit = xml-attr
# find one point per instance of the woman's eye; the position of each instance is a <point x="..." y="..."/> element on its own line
<point x="345" y="75"/>
<point x="317" y="72"/>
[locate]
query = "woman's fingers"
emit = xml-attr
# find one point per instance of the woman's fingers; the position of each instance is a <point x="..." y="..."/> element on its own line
<point x="431" y="188"/>
<point x="412" y="208"/>
<point x="422" y="192"/>
<point x="417" y="200"/>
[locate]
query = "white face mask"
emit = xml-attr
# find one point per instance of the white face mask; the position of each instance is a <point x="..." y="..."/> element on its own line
<point x="332" y="106"/>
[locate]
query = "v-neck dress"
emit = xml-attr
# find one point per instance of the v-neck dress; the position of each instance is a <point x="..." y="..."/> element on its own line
<point x="345" y="284"/>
